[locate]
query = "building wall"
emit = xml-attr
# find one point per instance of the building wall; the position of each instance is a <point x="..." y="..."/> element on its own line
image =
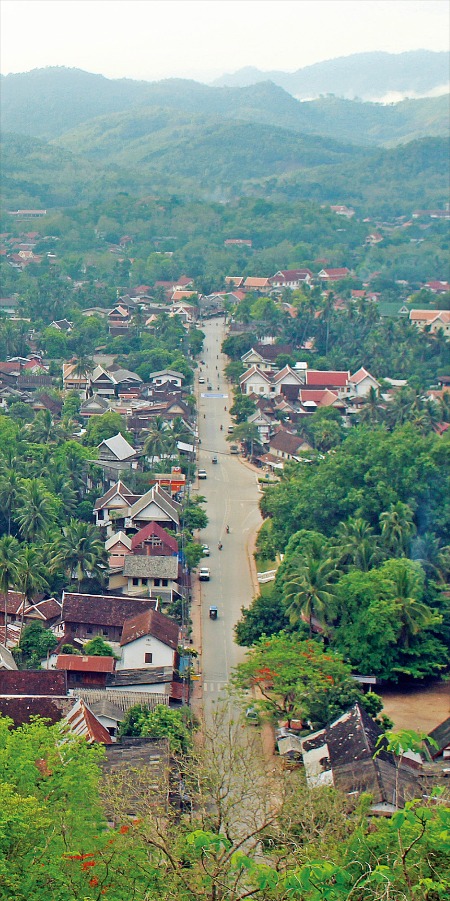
<point x="133" y="654"/>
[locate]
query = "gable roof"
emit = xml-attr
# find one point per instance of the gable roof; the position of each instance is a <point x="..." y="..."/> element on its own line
<point x="153" y="529"/>
<point x="288" y="443"/>
<point x="119" y="446"/>
<point x="153" y="623"/>
<point x="360" y="375"/>
<point x="288" y="371"/>
<point x="268" y="352"/>
<point x="74" y="663"/>
<point x="81" y="721"/>
<point x="326" y="378"/>
<point x="125" y="375"/>
<point x="7" y="661"/>
<point x="254" y="370"/>
<point x="102" y="610"/>
<point x="157" y="496"/>
<point x="118" y="538"/>
<point x="321" y="397"/>
<point x="441" y="735"/>
<point x="100" y="371"/>
<point x="119" y="488"/>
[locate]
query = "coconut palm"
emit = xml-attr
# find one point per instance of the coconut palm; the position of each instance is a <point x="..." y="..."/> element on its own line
<point x="159" y="441"/>
<point x="397" y="528"/>
<point x="84" y="366"/>
<point x="413" y="614"/>
<point x="36" y="509"/>
<point x="81" y="552"/>
<point x="372" y="410"/>
<point x="357" y="545"/>
<point x="10" y="487"/>
<point x="31" y="576"/>
<point x="8" y="572"/>
<point x="43" y="430"/>
<point x="435" y="559"/>
<point x="59" y="483"/>
<point x="309" y="591"/>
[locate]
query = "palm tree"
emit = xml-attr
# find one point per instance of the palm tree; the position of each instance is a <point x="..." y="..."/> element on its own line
<point x="84" y="366"/>
<point x="357" y="544"/>
<point x="60" y="484"/>
<point x="81" y="552"/>
<point x="309" y="591"/>
<point x="435" y="559"/>
<point x="8" y="572"/>
<point x="413" y="614"/>
<point x="159" y="441"/>
<point x="36" y="510"/>
<point x="371" y="409"/>
<point x="43" y="430"/>
<point x="31" y="577"/>
<point x="10" y="487"/>
<point x="397" y="528"/>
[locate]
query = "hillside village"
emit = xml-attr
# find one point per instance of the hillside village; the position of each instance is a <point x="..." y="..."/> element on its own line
<point x="145" y="575"/>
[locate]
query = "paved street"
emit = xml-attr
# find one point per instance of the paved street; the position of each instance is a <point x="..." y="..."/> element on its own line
<point x="232" y="494"/>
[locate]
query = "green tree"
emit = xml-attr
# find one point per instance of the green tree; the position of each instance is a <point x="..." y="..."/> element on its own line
<point x="297" y="679"/>
<point x="81" y="552"/>
<point x="397" y="528"/>
<point x="35" y="643"/>
<point x="242" y="408"/>
<point x="9" y="572"/>
<point x="99" y="428"/>
<point x="160" y="441"/>
<point x="265" y="616"/>
<point x="309" y="591"/>
<point x="32" y="575"/>
<point x="37" y="509"/>
<point x="97" y="647"/>
<point x="161" y="722"/>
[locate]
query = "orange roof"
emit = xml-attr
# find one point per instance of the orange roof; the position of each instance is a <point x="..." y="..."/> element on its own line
<point x="91" y="664"/>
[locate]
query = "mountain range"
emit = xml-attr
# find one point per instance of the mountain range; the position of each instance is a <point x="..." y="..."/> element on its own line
<point x="48" y="103"/>
<point x="72" y="136"/>
<point x="374" y="76"/>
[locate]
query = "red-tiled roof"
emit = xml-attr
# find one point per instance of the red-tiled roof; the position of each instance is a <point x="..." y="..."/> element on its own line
<point x="82" y="721"/>
<point x="13" y="602"/>
<point x="327" y="378"/>
<point x="89" y="664"/>
<point x="287" y="442"/>
<point x="154" y="529"/>
<point x="154" y="623"/>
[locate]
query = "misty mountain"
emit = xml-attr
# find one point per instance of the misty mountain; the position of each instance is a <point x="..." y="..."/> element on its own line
<point x="48" y="103"/>
<point x="367" y="76"/>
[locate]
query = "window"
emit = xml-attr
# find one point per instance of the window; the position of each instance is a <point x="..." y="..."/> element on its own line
<point x="135" y="581"/>
<point x="148" y="658"/>
<point x="157" y="582"/>
<point x="165" y="583"/>
<point x="89" y="631"/>
<point x="144" y="581"/>
<point x="105" y="631"/>
<point x="100" y="514"/>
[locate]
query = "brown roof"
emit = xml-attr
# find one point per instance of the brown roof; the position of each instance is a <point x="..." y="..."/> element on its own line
<point x="13" y="602"/>
<point x="90" y="664"/>
<point x="154" y="623"/>
<point x="82" y="721"/>
<point x="102" y="610"/>
<point x="32" y="682"/>
<point x="21" y="709"/>
<point x="287" y="442"/>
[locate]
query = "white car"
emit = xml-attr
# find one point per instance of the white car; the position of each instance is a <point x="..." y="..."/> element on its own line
<point x="202" y="474"/>
<point x="206" y="551"/>
<point x="204" y="574"/>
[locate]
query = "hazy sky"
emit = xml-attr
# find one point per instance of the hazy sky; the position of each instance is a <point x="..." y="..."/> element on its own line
<point x="151" y="39"/>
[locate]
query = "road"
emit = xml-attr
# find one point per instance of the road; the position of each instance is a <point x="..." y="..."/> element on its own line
<point x="232" y="495"/>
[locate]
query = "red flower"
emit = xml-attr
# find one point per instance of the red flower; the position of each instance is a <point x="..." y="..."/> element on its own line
<point x="93" y="882"/>
<point x="87" y="864"/>
<point x="124" y="829"/>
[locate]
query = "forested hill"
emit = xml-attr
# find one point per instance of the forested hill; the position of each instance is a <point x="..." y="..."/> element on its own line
<point x="217" y="161"/>
<point x="47" y="103"/>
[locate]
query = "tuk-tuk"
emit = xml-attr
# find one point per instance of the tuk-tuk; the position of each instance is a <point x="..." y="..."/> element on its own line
<point x="213" y="612"/>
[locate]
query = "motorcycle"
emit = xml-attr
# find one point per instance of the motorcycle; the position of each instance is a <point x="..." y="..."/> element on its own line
<point x="220" y="546"/>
